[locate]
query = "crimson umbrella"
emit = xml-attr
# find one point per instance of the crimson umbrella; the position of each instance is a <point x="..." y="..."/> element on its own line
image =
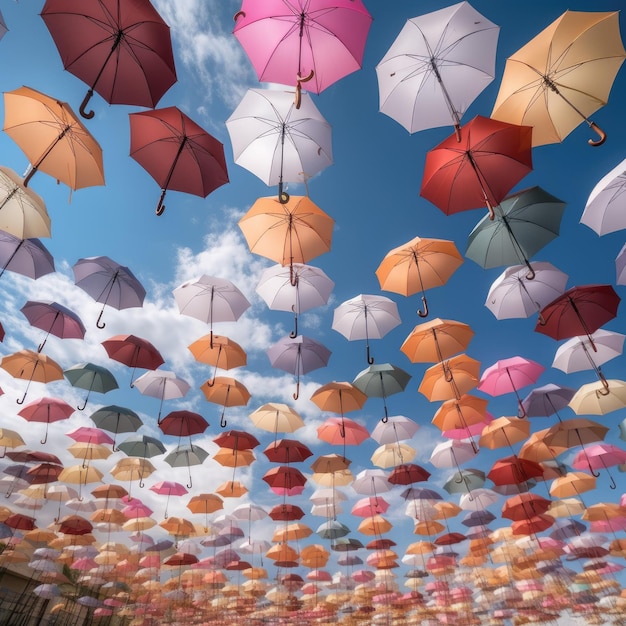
<point x="287" y="451"/>
<point x="285" y="480"/>
<point x="491" y="158"/>
<point x="177" y="152"/>
<point x="122" y="50"/>
<point x="134" y="352"/>
<point x="183" y="424"/>
<point x="46" y="410"/>
<point x="55" y="319"/>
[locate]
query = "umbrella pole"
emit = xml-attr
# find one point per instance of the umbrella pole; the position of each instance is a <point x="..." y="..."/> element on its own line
<point x="160" y="206"/>
<point x="35" y="166"/>
<point x="100" y="324"/>
<point x="531" y="272"/>
<point x="21" y="400"/>
<point x="446" y="95"/>
<point x="605" y="385"/>
<point x="474" y="165"/>
<point x="421" y="313"/>
<point x="583" y="324"/>
<point x="370" y="359"/>
<point x="522" y="411"/>
<point x="19" y="245"/>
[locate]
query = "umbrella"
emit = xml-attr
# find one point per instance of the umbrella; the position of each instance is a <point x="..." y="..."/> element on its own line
<point x="162" y="384"/>
<point x="380" y="381"/>
<point x="452" y="453"/>
<point x="91" y="377"/>
<point x="450" y="378"/>
<point x="134" y="352"/>
<point x="183" y="424"/>
<point x="299" y="41"/>
<point x="52" y="138"/>
<point x="276" y="417"/>
<point x="395" y="429"/>
<point x="604" y="210"/>
<point x="311" y="288"/>
<point x="547" y="400"/>
<point x="298" y="355"/>
<point x="287" y="451"/>
<point x="28" y="257"/>
<point x="46" y="410"/>
<point x="108" y="282"/>
<point x="418" y="265"/>
<point x="31" y="366"/>
<point x="392" y="455"/>
<point x="562" y="76"/>
<point x="514" y="294"/>
<point x="122" y="51"/>
<point x="431" y="342"/>
<point x="289" y="232"/>
<point x="132" y="468"/>
<point x="278" y="141"/>
<point x="342" y="431"/>
<point x="461" y="414"/>
<point x="142" y="446"/>
<point x="168" y="488"/>
<point x="218" y="351"/>
<point x="600" y="456"/>
<point x="227" y="392"/>
<point x="579" y="311"/>
<point x="509" y="375"/>
<point x="339" y="397"/>
<point x="479" y="170"/>
<point x="285" y="480"/>
<point x="524" y="223"/>
<point x="54" y="318"/>
<point x="366" y="317"/>
<point x="116" y="419"/>
<point x="437" y="66"/>
<point x="186" y="456"/>
<point x="23" y="212"/>
<point x="178" y="153"/>
<point x="599" y="398"/>
<point x="210" y="299"/>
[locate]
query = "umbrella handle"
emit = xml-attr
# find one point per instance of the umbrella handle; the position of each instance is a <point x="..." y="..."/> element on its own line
<point x="238" y="15"/>
<point x="492" y="213"/>
<point x="223" y="422"/>
<point x="423" y="313"/>
<point x="457" y="132"/>
<point x="600" y="132"/>
<point x="160" y="206"/>
<point x="531" y="272"/>
<point x="83" y="105"/>
<point x="294" y="333"/>
<point x="605" y="391"/>
<point x="370" y="359"/>
<point x="100" y="324"/>
<point x="522" y="410"/>
<point x="283" y="196"/>
<point x="296" y="395"/>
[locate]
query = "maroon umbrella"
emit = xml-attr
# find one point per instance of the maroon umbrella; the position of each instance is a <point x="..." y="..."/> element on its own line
<point x="75" y="525"/>
<point x="134" y="352"/>
<point x="122" y="50"/>
<point x="46" y="410"/>
<point x="579" y="311"/>
<point x="43" y="473"/>
<point x="55" y="319"/>
<point x="236" y="440"/>
<point x="19" y="521"/>
<point x="407" y="474"/>
<point x="177" y="153"/>
<point x="286" y="512"/>
<point x="183" y="424"/>
<point x="285" y="480"/>
<point x="287" y="451"/>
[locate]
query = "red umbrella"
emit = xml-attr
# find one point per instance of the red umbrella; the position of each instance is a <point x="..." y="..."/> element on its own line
<point x="183" y="424"/>
<point x="512" y="471"/>
<point x="287" y="451"/>
<point x="579" y="311"/>
<point x="407" y="474"/>
<point x="46" y="410"/>
<point x="177" y="153"/>
<point x="43" y="473"/>
<point x="19" y="521"/>
<point x="525" y="506"/>
<point x="481" y="169"/>
<point x="285" y="480"/>
<point x="122" y="50"/>
<point x="286" y="512"/>
<point x="75" y="525"/>
<point x="134" y="352"/>
<point x="236" y="440"/>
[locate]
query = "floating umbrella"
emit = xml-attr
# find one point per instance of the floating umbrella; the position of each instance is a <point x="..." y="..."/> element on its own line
<point x="397" y="428"/>
<point x="339" y="397"/>
<point x="225" y="391"/>
<point x="108" y="282"/>
<point x="418" y="265"/>
<point x="366" y="317"/>
<point x="479" y="170"/>
<point x="168" y="488"/>
<point x="276" y="417"/>
<point x="381" y="381"/>
<point x="55" y="319"/>
<point x="450" y="379"/>
<point x="461" y="415"/>
<point x="547" y="400"/>
<point x="91" y="377"/>
<point x="437" y="66"/>
<point x="392" y="454"/>
<point x="342" y="431"/>
<point x="177" y="152"/>
<point x="186" y="456"/>
<point x="116" y="419"/>
<point x="183" y="424"/>
<point x="278" y="141"/>
<point x="562" y="76"/>
<point x="142" y="446"/>
<point x="131" y="469"/>
<point x="604" y="210"/>
<point x="31" y="366"/>
<point x="123" y="52"/>
<point x="620" y="266"/>
<point x="436" y="341"/>
<point x="162" y="384"/>
<point x="286" y="451"/>
<point x="285" y="480"/>
<point x="46" y="410"/>
<point x="28" y="257"/>
<point x="599" y="398"/>
<point x="134" y="352"/>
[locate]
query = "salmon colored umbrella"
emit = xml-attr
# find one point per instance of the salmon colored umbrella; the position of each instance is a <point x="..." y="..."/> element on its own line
<point x="294" y="232"/>
<point x="31" y="366"/>
<point x="525" y="505"/>
<point x="55" y="319"/>
<point x="231" y="489"/>
<point x="133" y="351"/>
<point x="562" y="76"/>
<point x="205" y="503"/>
<point x="52" y="138"/>
<point x="46" y="410"/>
<point x="121" y="50"/>
<point x="491" y="158"/>
<point x="572" y="484"/>
<point x="339" y="397"/>
<point x="342" y="431"/>
<point x="434" y="341"/>
<point x="513" y="470"/>
<point x="225" y="391"/>
<point x="177" y="152"/>
<point x="450" y="379"/>
<point x="168" y="488"/>
<point x="418" y="265"/>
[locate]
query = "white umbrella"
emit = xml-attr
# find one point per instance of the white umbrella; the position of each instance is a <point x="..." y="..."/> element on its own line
<point x="620" y="267"/>
<point x="439" y="63"/>
<point x="162" y="384"/>
<point x="478" y="499"/>
<point x="452" y="453"/>
<point x="396" y="428"/>
<point x="278" y="142"/>
<point x="370" y="482"/>
<point x="605" y="211"/>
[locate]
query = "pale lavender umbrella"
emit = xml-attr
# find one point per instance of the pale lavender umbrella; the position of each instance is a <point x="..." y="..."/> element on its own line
<point x="162" y="384"/>
<point x="28" y="257"/>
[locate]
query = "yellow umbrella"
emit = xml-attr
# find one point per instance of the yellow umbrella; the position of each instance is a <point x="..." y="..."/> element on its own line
<point x="89" y="451"/>
<point x="132" y="468"/>
<point x="562" y="76"/>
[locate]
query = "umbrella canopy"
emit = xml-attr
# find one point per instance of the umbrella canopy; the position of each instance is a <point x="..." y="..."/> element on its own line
<point x="31" y="366"/>
<point x="339" y="397"/>
<point x="28" y="257"/>
<point x="162" y="384"/>
<point x="108" y="282"/>
<point x="277" y="141"/>
<point x="186" y="456"/>
<point x="277" y="418"/>
<point x="142" y="446"/>
<point x="599" y="398"/>
<point x="562" y="76"/>
<point x="183" y="424"/>
<point x="52" y="138"/>
<point x="227" y="392"/>
<point x="287" y="451"/>
<point x="122" y="51"/>
<point x="55" y="319"/>
<point x="604" y="210"/>
<point x="134" y="352"/>
<point x="380" y="381"/>
<point x="479" y="170"/>
<point x="547" y="400"/>
<point x="116" y="419"/>
<point x="46" y="410"/>
<point x="437" y="340"/>
<point x="91" y="377"/>
<point x="177" y="152"/>
<point x="437" y="66"/>
<point x="450" y="378"/>
<point x="218" y="351"/>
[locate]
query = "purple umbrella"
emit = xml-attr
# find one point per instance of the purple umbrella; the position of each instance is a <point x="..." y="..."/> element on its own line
<point x="108" y="282"/>
<point x="28" y="257"/>
<point x="547" y="400"/>
<point x="55" y="319"/>
<point x="298" y="355"/>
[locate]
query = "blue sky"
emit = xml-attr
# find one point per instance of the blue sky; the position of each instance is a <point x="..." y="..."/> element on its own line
<point x="372" y="192"/>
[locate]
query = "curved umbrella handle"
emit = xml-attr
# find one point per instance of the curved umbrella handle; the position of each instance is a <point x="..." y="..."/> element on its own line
<point x="531" y="272"/>
<point x="45" y="438"/>
<point x="605" y="391"/>
<point x="223" y="422"/>
<point x="100" y="324"/>
<point x="21" y="400"/>
<point x="612" y="485"/>
<point x="423" y="313"/>
<point x="160" y="206"/>
<point x="190" y="484"/>
<point x="521" y="414"/>
<point x="370" y="359"/>
<point x="83" y="105"/>
<point x="296" y="395"/>
<point x="294" y="333"/>
<point x="238" y="15"/>
<point x="81" y="408"/>
<point x="600" y="132"/>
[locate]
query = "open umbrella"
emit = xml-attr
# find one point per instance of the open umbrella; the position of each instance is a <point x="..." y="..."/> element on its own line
<point x="134" y="352"/>
<point x="186" y="456"/>
<point x="108" y="282"/>
<point x="219" y="351"/>
<point x="121" y="50"/>
<point x="225" y="391"/>
<point x="479" y="170"/>
<point x="366" y="317"/>
<point x="31" y="366"/>
<point x="177" y="152"/>
<point x="434" y="341"/>
<point x="276" y="417"/>
<point x="28" y="257"/>
<point x="339" y="397"/>
<point x="91" y="377"/>
<point x="604" y="210"/>
<point x="450" y="378"/>
<point x="168" y="488"/>
<point x="52" y="138"/>
<point x="116" y="419"/>
<point x="277" y="141"/>
<point x="600" y="456"/>
<point x="380" y="381"/>
<point x="562" y="76"/>
<point x="294" y="41"/>
<point x="547" y="400"/>
<point x="599" y="398"/>
<point x="437" y="66"/>
<point x="418" y="265"/>
<point x="55" y="319"/>
<point x="46" y="410"/>
<point x="162" y="384"/>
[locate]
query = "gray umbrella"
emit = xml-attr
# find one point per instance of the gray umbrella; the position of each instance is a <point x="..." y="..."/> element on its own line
<point x="380" y="381"/>
<point x="91" y="377"/>
<point x="186" y="456"/>
<point x="116" y="419"/>
<point x="524" y="223"/>
<point x="142" y="446"/>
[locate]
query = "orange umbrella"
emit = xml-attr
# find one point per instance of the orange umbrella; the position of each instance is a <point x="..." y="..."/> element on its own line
<point x="572" y="484"/>
<point x="375" y="525"/>
<point x="178" y="526"/>
<point x="229" y="457"/>
<point x="535" y="448"/>
<point x="525" y="506"/>
<point x="436" y="340"/>
<point x="418" y="265"/>
<point x="295" y="530"/>
<point x="339" y="397"/>
<point x="31" y="366"/>
<point x="227" y="392"/>
<point x="231" y="489"/>
<point x="218" y="351"/>
<point x="450" y="379"/>
<point x="456" y="414"/>
<point x="294" y="232"/>
<point x="504" y="431"/>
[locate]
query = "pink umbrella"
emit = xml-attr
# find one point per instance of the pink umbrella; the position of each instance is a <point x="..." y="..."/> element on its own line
<point x="87" y="434"/>
<point x="46" y="410"/>
<point x="168" y="488"/>
<point x="509" y="375"/>
<point x="370" y="506"/>
<point x="600" y="456"/>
